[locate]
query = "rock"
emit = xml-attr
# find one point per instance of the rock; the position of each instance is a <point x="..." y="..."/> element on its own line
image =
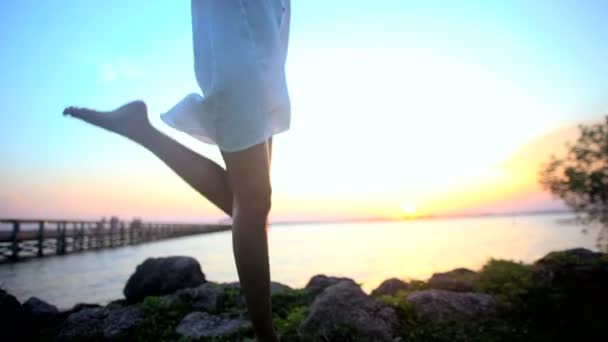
<point x="161" y="276"/>
<point x="442" y="305"/>
<point x="320" y="282"/>
<point x="84" y="324"/>
<point x="81" y="306"/>
<point x="213" y="297"/>
<point x="575" y="268"/>
<point x="99" y="323"/>
<point x="118" y="303"/>
<point x="121" y="321"/>
<point x="11" y="315"/>
<point x="201" y="324"/>
<point x="579" y="279"/>
<point x="389" y="287"/>
<point x="343" y="308"/>
<point x="207" y="297"/>
<point x="275" y="287"/>
<point x="460" y="279"/>
<point x="38" y="309"/>
<point x="278" y="288"/>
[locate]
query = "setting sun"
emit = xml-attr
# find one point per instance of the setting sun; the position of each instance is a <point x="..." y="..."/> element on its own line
<point x="408" y="208"/>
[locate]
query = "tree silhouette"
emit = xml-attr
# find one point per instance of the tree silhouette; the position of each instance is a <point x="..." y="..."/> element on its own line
<point x="580" y="178"/>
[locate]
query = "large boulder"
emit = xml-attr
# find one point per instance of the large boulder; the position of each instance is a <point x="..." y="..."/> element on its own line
<point x="12" y="316"/>
<point x="579" y="278"/>
<point x="573" y="268"/>
<point x="442" y="305"/>
<point x="161" y="276"/>
<point x="100" y="323"/>
<point x="389" y="287"/>
<point x="320" y="282"/>
<point x="201" y="324"/>
<point x="344" y="312"/>
<point x="460" y="279"/>
<point x="37" y="309"/>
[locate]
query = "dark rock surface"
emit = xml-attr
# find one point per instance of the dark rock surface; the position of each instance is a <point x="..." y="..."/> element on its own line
<point x="161" y="276"/>
<point x="81" y="306"/>
<point x="120" y="321"/>
<point x="12" y="315"/>
<point x="84" y="324"/>
<point x="319" y="282"/>
<point x="206" y="297"/>
<point x="573" y="268"/>
<point x="460" y="279"/>
<point x="442" y="305"/>
<point x="201" y="324"/>
<point x="343" y="308"/>
<point x="390" y="287"/>
<point x="38" y="309"/>
<point x="99" y="323"/>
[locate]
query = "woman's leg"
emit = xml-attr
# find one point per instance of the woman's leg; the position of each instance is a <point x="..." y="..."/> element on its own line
<point x="249" y="178"/>
<point x="131" y="121"/>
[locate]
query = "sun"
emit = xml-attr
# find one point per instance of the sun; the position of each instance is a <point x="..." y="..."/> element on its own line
<point x="408" y="208"/>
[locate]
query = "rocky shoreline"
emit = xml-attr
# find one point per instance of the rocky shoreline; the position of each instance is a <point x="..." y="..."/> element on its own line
<point x="561" y="297"/>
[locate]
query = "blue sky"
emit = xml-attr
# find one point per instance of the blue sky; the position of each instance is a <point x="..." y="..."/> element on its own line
<point x="393" y="101"/>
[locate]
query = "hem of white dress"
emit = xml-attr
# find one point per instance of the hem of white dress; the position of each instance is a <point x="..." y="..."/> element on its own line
<point x="208" y="140"/>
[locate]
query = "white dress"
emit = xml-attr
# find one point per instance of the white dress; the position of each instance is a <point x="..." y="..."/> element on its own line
<point x="240" y="47"/>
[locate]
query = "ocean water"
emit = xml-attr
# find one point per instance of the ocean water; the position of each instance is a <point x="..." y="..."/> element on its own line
<point x="369" y="252"/>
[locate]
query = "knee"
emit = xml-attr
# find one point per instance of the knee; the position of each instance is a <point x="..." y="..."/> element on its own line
<point x="254" y="202"/>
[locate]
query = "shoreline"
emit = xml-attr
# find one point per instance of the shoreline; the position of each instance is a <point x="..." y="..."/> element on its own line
<point x="507" y="300"/>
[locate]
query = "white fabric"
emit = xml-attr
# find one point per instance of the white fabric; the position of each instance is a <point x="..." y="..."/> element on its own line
<point x="240" y="47"/>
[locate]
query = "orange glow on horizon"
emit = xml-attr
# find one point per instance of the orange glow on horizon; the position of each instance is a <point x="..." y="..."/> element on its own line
<point x="511" y="185"/>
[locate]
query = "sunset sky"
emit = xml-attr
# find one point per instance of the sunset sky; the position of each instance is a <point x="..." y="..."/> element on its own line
<point x="398" y="107"/>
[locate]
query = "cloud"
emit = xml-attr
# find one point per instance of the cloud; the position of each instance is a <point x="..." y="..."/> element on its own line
<point x="107" y="73"/>
<point x="130" y="71"/>
<point x="110" y="72"/>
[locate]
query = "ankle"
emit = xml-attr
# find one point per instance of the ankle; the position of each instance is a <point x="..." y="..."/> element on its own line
<point x="273" y="338"/>
<point x="270" y="336"/>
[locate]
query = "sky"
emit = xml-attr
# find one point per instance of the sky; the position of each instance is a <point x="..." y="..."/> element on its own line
<point x="398" y="107"/>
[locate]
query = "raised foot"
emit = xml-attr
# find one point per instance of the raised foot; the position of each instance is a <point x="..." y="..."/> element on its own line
<point x="128" y="120"/>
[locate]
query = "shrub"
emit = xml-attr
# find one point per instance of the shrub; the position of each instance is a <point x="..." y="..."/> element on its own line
<point x="160" y="320"/>
<point x="509" y="282"/>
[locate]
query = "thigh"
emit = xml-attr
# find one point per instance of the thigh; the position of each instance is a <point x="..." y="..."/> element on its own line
<point x="249" y="171"/>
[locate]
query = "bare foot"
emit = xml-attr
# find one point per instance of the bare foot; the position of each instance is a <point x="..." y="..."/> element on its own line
<point x="129" y="120"/>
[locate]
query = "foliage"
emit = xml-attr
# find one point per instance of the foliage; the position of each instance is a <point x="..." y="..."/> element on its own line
<point x="481" y="330"/>
<point x="414" y="329"/>
<point x="564" y="258"/>
<point x="288" y="327"/>
<point x="580" y="178"/>
<point x="231" y="300"/>
<point x="509" y="282"/>
<point x="285" y="301"/>
<point x="160" y="318"/>
<point x="417" y="285"/>
<point x="403" y="308"/>
<point x="289" y="310"/>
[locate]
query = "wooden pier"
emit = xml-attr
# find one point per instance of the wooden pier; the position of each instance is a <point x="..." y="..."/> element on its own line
<point x="20" y="239"/>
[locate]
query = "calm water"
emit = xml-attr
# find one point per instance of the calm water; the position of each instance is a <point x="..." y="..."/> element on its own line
<point x="368" y="252"/>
